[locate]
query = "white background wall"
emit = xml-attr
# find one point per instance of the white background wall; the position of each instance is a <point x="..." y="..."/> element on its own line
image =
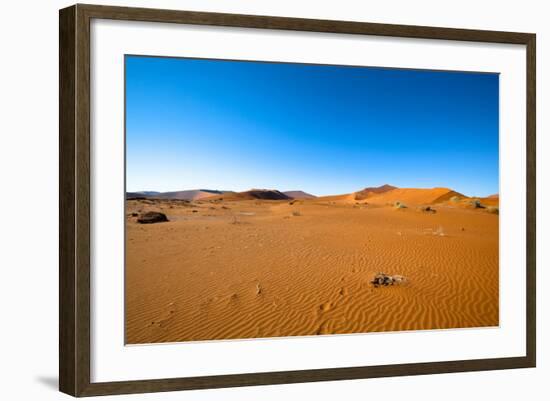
<point x="29" y="184"/>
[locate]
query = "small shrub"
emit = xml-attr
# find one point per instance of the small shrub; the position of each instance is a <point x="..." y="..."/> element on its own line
<point x="400" y="205"/>
<point x="493" y="210"/>
<point x="455" y="199"/>
<point x="296" y="213"/>
<point x="476" y="203"/>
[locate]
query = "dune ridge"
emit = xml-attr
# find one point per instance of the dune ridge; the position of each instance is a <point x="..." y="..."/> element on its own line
<point x="370" y="191"/>
<point x="415" y="196"/>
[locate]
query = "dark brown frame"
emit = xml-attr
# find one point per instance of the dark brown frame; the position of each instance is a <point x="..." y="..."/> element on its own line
<point x="74" y="199"/>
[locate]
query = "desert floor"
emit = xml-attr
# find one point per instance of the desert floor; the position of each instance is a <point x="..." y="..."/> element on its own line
<point x="255" y="268"/>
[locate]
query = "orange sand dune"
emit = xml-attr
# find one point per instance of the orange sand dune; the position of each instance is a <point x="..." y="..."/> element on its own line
<point x="254" y="268"/>
<point x="448" y="196"/>
<point x="468" y="202"/>
<point x="492" y="200"/>
<point x="336" y="198"/>
<point x="413" y="196"/>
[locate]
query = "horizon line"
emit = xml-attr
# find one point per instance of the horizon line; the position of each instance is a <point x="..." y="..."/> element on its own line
<point x="308" y="192"/>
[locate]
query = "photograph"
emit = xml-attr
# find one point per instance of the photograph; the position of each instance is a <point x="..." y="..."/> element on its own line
<point x="277" y="199"/>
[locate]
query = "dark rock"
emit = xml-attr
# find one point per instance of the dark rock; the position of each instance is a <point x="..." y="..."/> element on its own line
<point x="152" y="217"/>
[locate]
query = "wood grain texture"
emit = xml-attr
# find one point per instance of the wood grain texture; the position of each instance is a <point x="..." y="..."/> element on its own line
<point x="67" y="294"/>
<point x="302" y="376"/>
<point x="74" y="199"/>
<point x="301" y="24"/>
<point x="531" y="315"/>
<point x="82" y="201"/>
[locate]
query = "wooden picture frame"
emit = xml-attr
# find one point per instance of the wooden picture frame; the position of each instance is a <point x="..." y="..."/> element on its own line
<point x="74" y="200"/>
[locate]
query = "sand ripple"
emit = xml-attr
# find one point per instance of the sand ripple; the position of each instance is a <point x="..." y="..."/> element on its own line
<point x="278" y="274"/>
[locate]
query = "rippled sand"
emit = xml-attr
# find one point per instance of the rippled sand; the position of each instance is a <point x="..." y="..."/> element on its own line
<point x="249" y="269"/>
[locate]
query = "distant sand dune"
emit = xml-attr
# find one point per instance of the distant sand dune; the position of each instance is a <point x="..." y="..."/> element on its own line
<point x="299" y="195"/>
<point x="414" y="196"/>
<point x="336" y="198"/>
<point x="192" y="194"/>
<point x="490" y="200"/>
<point x="448" y="196"/>
<point x="189" y="195"/>
<point x="264" y="194"/>
<point x="370" y="191"/>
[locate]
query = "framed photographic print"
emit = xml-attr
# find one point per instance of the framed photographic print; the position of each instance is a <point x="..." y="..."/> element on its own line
<point x="250" y="200"/>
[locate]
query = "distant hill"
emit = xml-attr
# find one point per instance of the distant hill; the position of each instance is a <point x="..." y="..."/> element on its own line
<point x="264" y="194"/>
<point x="369" y="191"/>
<point x="141" y="194"/>
<point x="384" y="194"/>
<point x="193" y="194"/>
<point x="299" y="195"/>
<point x="136" y="195"/>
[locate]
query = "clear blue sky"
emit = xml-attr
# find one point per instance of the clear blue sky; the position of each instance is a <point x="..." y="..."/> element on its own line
<point x="235" y="125"/>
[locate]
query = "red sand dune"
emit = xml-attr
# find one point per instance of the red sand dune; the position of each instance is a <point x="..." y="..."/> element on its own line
<point x="370" y="191"/>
